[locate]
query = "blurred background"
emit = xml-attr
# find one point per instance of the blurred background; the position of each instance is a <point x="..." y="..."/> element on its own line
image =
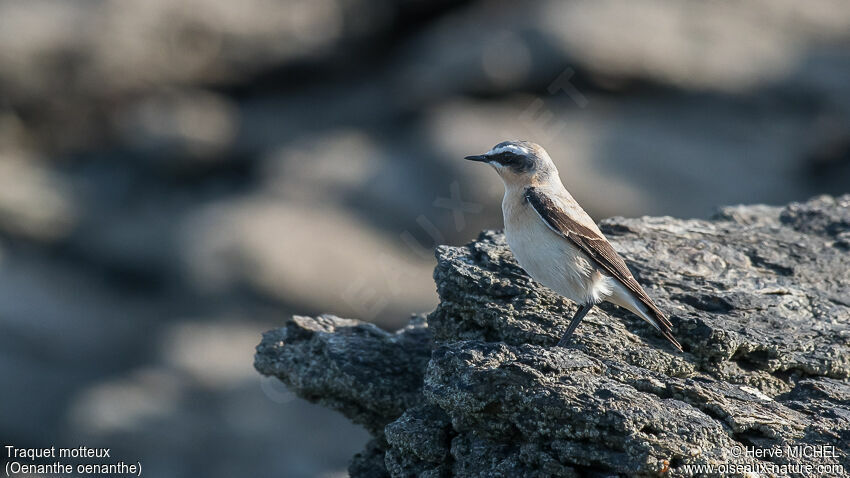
<point x="177" y="177"/>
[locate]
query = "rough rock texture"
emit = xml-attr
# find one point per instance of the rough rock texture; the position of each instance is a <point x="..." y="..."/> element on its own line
<point x="368" y="374"/>
<point x="759" y="298"/>
<point x="161" y="159"/>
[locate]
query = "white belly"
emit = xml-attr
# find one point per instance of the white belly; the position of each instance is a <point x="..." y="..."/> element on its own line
<point x="552" y="260"/>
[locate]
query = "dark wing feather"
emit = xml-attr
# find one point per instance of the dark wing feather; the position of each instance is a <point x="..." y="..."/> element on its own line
<point x="598" y="249"/>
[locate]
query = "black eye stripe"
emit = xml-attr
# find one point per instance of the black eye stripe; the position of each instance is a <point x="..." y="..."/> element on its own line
<point x="507" y="157"/>
<point x="517" y="162"/>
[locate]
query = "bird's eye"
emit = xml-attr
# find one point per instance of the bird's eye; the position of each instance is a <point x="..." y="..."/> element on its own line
<point x="507" y="158"/>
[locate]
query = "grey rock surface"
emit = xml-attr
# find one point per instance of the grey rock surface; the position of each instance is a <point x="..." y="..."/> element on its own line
<point x="759" y="298"/>
<point x="369" y="375"/>
<point x="160" y="160"/>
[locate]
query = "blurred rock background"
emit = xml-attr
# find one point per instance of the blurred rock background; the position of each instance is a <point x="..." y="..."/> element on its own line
<point x="178" y="176"/>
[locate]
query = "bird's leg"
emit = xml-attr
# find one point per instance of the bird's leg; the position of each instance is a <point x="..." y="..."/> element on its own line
<point x="580" y="313"/>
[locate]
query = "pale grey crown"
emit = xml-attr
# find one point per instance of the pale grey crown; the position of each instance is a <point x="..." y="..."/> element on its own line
<point x="521" y="157"/>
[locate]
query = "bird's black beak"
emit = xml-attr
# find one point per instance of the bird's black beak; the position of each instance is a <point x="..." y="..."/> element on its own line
<point x="479" y="157"/>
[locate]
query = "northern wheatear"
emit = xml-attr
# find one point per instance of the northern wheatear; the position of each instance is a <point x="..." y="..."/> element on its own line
<point x="558" y="244"/>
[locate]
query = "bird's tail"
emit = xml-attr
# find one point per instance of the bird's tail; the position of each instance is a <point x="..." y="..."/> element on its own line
<point x="653" y="316"/>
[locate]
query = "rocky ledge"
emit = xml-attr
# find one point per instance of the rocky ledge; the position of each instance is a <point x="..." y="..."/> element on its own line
<point x="758" y="296"/>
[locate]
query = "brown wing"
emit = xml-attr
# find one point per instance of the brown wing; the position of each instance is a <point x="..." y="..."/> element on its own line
<point x="598" y="249"/>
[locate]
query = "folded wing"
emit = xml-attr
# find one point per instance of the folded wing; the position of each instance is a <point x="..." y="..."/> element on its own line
<point x="599" y="250"/>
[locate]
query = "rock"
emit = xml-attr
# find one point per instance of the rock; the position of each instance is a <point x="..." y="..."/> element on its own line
<point x="368" y="374"/>
<point x="757" y="297"/>
<point x="419" y="442"/>
<point x="824" y="216"/>
<point x="161" y="164"/>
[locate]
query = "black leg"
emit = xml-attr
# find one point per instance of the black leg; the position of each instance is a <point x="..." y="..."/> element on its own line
<point x="580" y="313"/>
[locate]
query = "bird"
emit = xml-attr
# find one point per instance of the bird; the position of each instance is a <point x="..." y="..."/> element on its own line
<point x="558" y="244"/>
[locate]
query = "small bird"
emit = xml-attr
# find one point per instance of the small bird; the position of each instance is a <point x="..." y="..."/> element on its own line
<point x="558" y="244"/>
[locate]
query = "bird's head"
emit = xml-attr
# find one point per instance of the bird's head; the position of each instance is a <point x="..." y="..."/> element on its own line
<point x="519" y="162"/>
